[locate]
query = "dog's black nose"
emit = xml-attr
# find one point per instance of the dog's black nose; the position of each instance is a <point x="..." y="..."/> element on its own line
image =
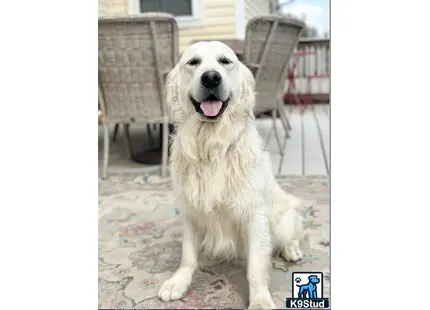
<point x="211" y="79"/>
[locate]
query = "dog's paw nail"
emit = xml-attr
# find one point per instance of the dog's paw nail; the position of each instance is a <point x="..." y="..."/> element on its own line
<point x="293" y="254"/>
<point x="171" y="290"/>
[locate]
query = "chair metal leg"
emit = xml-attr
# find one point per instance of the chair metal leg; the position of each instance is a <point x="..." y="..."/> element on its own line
<point x="275" y="130"/>
<point x="149" y="128"/>
<point x="165" y="149"/>
<point x="285" y="114"/>
<point x="284" y="119"/>
<point x="115" y="132"/>
<point x="105" y="150"/>
<point x="126" y="128"/>
<point x="288" y="122"/>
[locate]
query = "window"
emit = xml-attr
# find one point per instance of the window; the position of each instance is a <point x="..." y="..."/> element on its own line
<point x="174" y="7"/>
<point x="188" y="13"/>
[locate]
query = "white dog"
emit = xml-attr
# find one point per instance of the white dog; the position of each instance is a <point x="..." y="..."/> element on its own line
<point x="231" y="205"/>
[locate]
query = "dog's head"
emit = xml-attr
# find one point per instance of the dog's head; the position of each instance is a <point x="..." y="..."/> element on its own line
<point x="313" y="279"/>
<point x="209" y="82"/>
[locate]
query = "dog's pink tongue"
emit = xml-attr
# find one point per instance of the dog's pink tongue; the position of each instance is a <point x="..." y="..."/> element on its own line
<point x="211" y="108"/>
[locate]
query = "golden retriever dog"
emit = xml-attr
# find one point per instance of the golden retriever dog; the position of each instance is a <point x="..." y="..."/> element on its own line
<point x="230" y="203"/>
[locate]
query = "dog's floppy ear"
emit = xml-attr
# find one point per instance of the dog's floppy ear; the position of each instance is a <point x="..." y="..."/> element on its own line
<point x="171" y="86"/>
<point x="247" y="89"/>
<point x="247" y="82"/>
<point x="171" y="91"/>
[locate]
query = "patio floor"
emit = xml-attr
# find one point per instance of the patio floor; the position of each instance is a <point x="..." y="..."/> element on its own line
<point x="307" y="151"/>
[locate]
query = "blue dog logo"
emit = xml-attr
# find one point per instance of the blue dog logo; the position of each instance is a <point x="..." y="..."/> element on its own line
<point x="308" y="290"/>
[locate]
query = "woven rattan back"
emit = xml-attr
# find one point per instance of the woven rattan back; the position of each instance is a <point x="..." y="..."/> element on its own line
<point x="135" y="54"/>
<point x="269" y="45"/>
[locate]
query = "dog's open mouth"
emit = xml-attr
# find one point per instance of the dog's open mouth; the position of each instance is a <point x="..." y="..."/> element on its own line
<point x="212" y="107"/>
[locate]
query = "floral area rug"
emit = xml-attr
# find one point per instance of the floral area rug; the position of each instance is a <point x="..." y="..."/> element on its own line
<point x="140" y="247"/>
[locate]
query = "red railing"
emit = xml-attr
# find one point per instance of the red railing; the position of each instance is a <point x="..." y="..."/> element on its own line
<point x="309" y="77"/>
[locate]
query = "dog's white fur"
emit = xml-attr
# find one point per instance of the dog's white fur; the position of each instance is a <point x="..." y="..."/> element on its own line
<point x="231" y="205"/>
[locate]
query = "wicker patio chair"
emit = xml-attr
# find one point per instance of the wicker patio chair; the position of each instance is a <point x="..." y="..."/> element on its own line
<point x="135" y="55"/>
<point x="269" y="45"/>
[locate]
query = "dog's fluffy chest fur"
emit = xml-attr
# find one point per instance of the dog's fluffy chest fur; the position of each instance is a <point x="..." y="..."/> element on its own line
<point x="210" y="179"/>
<point x="212" y="173"/>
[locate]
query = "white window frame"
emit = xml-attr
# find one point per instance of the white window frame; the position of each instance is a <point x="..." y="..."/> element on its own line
<point x="240" y="19"/>
<point x="190" y="21"/>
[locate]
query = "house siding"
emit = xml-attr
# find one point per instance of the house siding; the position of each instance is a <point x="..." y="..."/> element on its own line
<point x="103" y="7"/>
<point x="118" y="7"/>
<point x="219" y="20"/>
<point x="256" y="7"/>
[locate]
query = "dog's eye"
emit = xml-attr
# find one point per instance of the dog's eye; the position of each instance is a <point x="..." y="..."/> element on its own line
<point x="193" y="62"/>
<point x="224" y="61"/>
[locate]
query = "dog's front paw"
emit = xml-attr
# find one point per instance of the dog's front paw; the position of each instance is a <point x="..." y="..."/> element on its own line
<point x="293" y="253"/>
<point x="172" y="289"/>
<point x="263" y="301"/>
